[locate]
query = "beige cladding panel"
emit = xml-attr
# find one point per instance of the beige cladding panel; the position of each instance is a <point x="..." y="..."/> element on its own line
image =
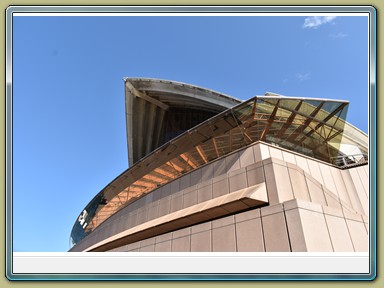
<point x="315" y="231"/>
<point x="352" y="193"/>
<point x="176" y="202"/>
<point x="232" y="162"/>
<point x="340" y="186"/>
<point x="204" y="191"/>
<point x="328" y="178"/>
<point x="190" y="196"/>
<point x="185" y="181"/>
<point x="339" y="234"/>
<point x="219" y="167"/>
<point x="264" y="152"/>
<point x="276" y="153"/>
<point x="315" y="171"/>
<point x="237" y="180"/>
<point x="201" y="238"/>
<point x="246" y="157"/>
<point x="295" y="230"/>
<point x="181" y="240"/>
<point x="270" y="180"/>
<point x="302" y="162"/>
<point x="363" y="178"/>
<point x="360" y="189"/>
<point x="289" y="157"/>
<point x="359" y="235"/>
<point x="283" y="183"/>
<point x="207" y="172"/>
<point x="275" y="229"/>
<point x="220" y="186"/>
<point x="163" y="243"/>
<point x="257" y="152"/>
<point x="223" y="235"/>
<point x="153" y="210"/>
<point x="299" y="184"/>
<point x="255" y="174"/>
<point x="249" y="232"/>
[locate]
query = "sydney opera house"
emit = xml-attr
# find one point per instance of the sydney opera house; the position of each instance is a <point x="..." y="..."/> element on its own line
<point x="212" y="173"/>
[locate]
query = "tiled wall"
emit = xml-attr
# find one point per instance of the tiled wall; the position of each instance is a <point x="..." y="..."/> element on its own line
<point x="288" y="176"/>
<point x="295" y="225"/>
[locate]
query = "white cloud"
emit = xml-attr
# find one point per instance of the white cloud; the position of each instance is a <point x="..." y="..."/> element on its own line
<point x="316" y="21"/>
<point x="339" y="35"/>
<point x="303" y="76"/>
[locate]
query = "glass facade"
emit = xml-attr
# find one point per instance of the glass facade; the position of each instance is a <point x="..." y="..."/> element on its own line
<point x="313" y="127"/>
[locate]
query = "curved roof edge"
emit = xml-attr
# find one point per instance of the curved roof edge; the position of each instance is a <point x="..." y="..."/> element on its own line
<point x="149" y="103"/>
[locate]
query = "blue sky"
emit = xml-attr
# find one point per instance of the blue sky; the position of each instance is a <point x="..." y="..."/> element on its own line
<point x="69" y="137"/>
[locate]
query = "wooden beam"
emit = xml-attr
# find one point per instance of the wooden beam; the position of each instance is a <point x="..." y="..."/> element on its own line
<point x="201" y="153"/>
<point x="324" y="122"/>
<point x="215" y="145"/>
<point x="307" y="121"/>
<point x="289" y="120"/>
<point x="270" y="121"/>
<point x="186" y="159"/>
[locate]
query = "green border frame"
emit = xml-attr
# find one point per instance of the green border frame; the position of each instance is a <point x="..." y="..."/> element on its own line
<point x="376" y="3"/>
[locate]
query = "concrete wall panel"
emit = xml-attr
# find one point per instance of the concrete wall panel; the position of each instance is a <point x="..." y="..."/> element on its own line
<point x="339" y="234"/>
<point x="237" y="180"/>
<point x="232" y="162"/>
<point x="289" y="157"/>
<point x="315" y="231"/>
<point x="175" y="186"/>
<point x="185" y="181"/>
<point x="352" y="193"/>
<point x="163" y="243"/>
<point x="181" y="240"/>
<point x="257" y="152"/>
<point x="195" y="177"/>
<point x="201" y="238"/>
<point x="204" y="191"/>
<point x="164" y="205"/>
<point x="275" y="229"/>
<point x="190" y="196"/>
<point x="147" y="245"/>
<point x="220" y="186"/>
<point x="255" y="174"/>
<point x="295" y="230"/>
<point x="207" y="172"/>
<point x="223" y="235"/>
<point x="283" y="183"/>
<point x="273" y="196"/>
<point x="302" y="162"/>
<point x="299" y="184"/>
<point x="249" y="232"/>
<point x="340" y="186"/>
<point x="176" y="202"/>
<point x="361" y="193"/>
<point x="246" y="157"/>
<point x="276" y="153"/>
<point x="264" y="151"/>
<point x="219" y="167"/>
<point x="328" y="178"/>
<point x="359" y="235"/>
<point x="315" y="171"/>
<point x="153" y="210"/>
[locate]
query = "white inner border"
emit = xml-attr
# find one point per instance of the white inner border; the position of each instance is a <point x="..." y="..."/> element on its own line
<point x="192" y="262"/>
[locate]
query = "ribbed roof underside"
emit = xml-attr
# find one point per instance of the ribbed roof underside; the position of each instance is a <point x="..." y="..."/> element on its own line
<point x="150" y="108"/>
